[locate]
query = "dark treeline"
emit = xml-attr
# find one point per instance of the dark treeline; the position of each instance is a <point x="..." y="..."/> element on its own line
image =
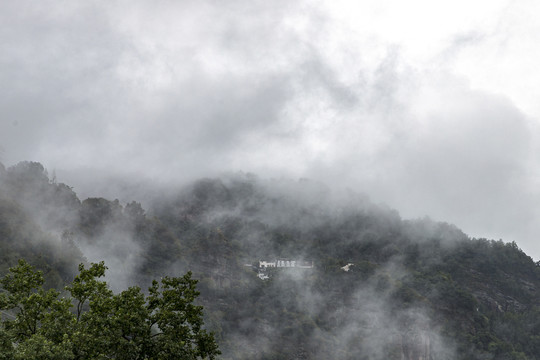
<point x="417" y="289"/>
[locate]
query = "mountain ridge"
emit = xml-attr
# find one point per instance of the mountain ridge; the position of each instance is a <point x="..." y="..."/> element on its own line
<point x="419" y="289"/>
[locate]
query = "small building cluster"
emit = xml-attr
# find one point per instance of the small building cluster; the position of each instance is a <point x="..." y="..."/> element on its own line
<point x="286" y="264"/>
<point x="281" y="263"/>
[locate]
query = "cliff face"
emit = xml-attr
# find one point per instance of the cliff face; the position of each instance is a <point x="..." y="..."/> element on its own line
<point x="415" y="346"/>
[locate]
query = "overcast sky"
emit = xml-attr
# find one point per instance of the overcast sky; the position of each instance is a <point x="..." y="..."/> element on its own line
<point x="429" y="106"/>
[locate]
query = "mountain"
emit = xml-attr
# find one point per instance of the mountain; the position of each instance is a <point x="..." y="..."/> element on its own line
<point x="381" y="287"/>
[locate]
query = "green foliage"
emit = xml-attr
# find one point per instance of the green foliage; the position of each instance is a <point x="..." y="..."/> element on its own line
<point x="40" y="324"/>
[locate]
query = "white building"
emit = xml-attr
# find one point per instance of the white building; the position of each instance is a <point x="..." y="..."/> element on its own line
<point x="263" y="276"/>
<point x="265" y="264"/>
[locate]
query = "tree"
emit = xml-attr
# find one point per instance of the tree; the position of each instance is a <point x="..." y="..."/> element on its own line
<point x="91" y="322"/>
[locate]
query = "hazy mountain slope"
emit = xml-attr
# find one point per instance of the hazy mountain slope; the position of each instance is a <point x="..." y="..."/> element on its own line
<point x="412" y="280"/>
<point x="417" y="290"/>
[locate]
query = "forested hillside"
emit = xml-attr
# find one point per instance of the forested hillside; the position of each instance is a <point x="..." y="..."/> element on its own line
<point x="414" y="289"/>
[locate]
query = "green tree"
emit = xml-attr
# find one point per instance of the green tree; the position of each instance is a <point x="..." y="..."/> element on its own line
<point x="94" y="323"/>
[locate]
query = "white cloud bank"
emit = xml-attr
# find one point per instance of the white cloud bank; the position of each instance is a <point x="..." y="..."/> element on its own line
<point x="429" y="106"/>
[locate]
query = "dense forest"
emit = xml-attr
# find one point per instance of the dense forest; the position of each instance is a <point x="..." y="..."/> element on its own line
<point x="381" y="287"/>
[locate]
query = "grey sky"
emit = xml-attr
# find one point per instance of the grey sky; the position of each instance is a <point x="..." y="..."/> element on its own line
<point x="429" y="106"/>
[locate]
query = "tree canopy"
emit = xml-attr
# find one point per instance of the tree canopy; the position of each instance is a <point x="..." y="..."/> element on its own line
<point x="89" y="321"/>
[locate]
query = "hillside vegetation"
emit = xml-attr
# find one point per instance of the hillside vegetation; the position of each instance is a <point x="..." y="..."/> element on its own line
<point x="417" y="289"/>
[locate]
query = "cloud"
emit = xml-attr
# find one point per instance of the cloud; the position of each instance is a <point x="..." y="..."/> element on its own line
<point x="467" y="163"/>
<point x="406" y="103"/>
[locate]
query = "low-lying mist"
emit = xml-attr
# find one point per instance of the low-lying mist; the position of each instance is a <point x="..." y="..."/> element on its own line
<point x="381" y="287"/>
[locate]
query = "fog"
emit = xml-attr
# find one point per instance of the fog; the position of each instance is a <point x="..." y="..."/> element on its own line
<point x="393" y="299"/>
<point x="429" y="107"/>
